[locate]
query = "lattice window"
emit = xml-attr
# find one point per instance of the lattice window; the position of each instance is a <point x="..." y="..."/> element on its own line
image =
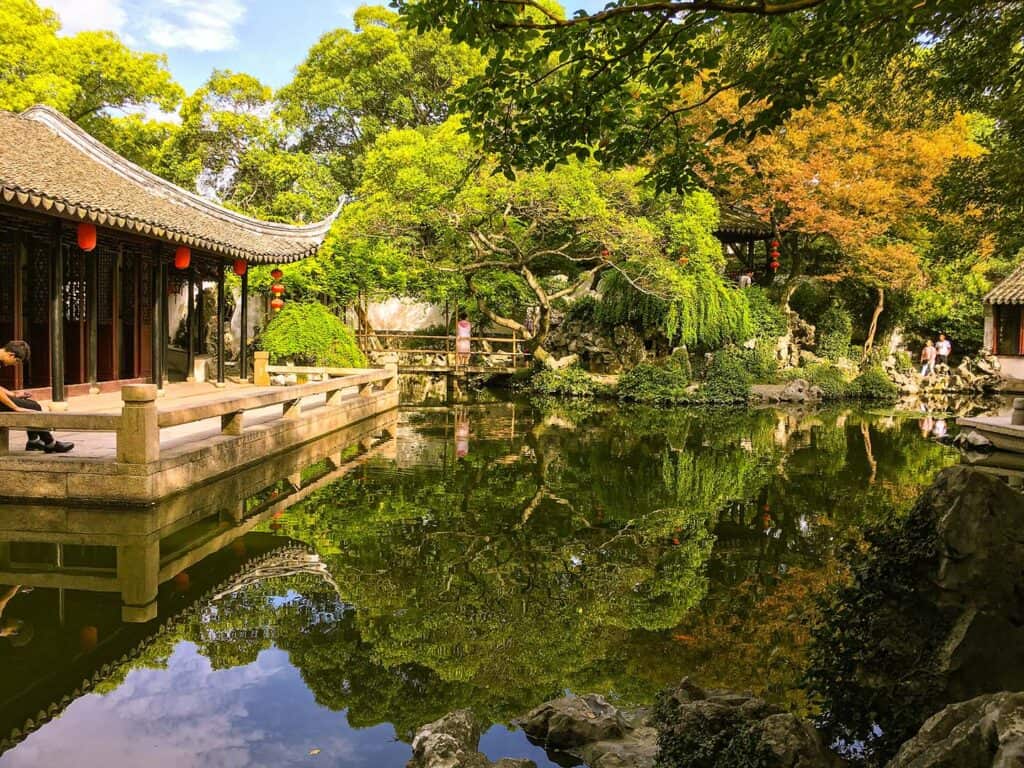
<point x="128" y="270"/>
<point x="74" y="287"/>
<point x="146" y="291"/>
<point x="105" y="290"/>
<point x="38" y="292"/>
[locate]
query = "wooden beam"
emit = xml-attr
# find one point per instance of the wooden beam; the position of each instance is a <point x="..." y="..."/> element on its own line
<point x="165" y="329"/>
<point x="155" y="314"/>
<point x="190" y="327"/>
<point x="243" y="335"/>
<point x="92" y="288"/>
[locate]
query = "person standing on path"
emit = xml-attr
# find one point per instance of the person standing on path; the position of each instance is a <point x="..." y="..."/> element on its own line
<point x="943" y="349"/>
<point x="928" y="358"/>
<point x="463" y="335"/>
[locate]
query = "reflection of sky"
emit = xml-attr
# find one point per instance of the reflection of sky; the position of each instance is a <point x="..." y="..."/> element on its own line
<point x="189" y="715"/>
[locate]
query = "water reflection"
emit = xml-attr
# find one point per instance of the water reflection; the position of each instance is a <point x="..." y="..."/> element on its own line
<point x="491" y="557"/>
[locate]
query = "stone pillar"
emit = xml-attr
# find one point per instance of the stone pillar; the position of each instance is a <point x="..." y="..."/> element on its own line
<point x="138" y="439"/>
<point x="92" y="288"/>
<point x="138" y="571"/>
<point x="1017" y="416"/>
<point x="260" y="374"/>
<point x="220" y="325"/>
<point x="243" y="331"/>
<point x="989" y="344"/>
<point x="57" y="320"/>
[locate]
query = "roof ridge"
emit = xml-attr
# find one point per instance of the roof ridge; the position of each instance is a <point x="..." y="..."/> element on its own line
<point x="81" y="140"/>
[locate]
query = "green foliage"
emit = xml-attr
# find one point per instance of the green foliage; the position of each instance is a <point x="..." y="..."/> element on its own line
<point x="874" y="655"/>
<point x="584" y="311"/>
<point x="767" y="320"/>
<point x="833" y="333"/>
<point x="827" y="377"/>
<point x="727" y="379"/>
<point x="761" y="361"/>
<point x="873" y="384"/>
<point x="567" y="382"/>
<point x="309" y="334"/>
<point x="904" y="362"/>
<point x="664" y="382"/>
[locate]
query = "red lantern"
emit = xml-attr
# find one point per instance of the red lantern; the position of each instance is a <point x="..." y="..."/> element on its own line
<point x="775" y="255"/>
<point x="276" y="273"/>
<point x="277" y="289"/>
<point x="774" y="265"/>
<point x="86" y="236"/>
<point x="605" y="253"/>
<point x="775" y="244"/>
<point x="182" y="257"/>
<point x="240" y="267"/>
<point x="276" y="304"/>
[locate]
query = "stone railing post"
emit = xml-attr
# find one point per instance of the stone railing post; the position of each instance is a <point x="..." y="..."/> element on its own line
<point x="138" y="438"/>
<point x="1017" y="417"/>
<point x="391" y="387"/>
<point x="260" y="374"/>
<point x="5" y="441"/>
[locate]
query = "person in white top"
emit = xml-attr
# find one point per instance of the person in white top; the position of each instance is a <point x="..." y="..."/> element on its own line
<point x="746" y="279"/>
<point x="928" y="358"/>
<point x="943" y="349"/>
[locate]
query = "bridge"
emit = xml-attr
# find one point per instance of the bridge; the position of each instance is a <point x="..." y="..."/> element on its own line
<point x="435" y="354"/>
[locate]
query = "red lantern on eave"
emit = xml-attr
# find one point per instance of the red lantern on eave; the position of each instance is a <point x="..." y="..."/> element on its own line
<point x="182" y="257"/>
<point x="277" y="289"/>
<point x="240" y="267"/>
<point x="276" y="273"/>
<point x="774" y="265"/>
<point x="86" y="236"/>
<point x="276" y="304"/>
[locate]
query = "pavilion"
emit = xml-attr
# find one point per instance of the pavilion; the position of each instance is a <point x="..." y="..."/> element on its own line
<point x="97" y="319"/>
<point x="1004" y="329"/>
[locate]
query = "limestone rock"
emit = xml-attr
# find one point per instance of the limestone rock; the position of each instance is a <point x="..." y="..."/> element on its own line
<point x="594" y="731"/>
<point x="973" y="441"/>
<point x="984" y="732"/>
<point x="452" y="742"/>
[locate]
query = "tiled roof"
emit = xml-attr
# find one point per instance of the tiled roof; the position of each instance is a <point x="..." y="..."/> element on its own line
<point x="1010" y="290"/>
<point x="49" y="163"/>
<point x="734" y="220"/>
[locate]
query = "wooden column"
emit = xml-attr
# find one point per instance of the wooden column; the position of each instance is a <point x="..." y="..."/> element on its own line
<point x="156" y="313"/>
<point x="190" y="327"/>
<point x="165" y="322"/>
<point x="243" y="335"/>
<point x="220" y="324"/>
<point x="20" y="260"/>
<point x="56" y="318"/>
<point x="200" y="329"/>
<point x="92" y="289"/>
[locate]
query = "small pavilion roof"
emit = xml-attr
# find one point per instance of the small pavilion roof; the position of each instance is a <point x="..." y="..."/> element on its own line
<point x="49" y="163"/>
<point x="1010" y="290"/>
<point x="740" y="224"/>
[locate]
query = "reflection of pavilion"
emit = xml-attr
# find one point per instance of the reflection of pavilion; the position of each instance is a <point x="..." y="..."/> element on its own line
<point x="133" y="550"/>
<point x="101" y="576"/>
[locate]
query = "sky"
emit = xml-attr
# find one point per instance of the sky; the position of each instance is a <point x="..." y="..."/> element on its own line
<point x="265" y="38"/>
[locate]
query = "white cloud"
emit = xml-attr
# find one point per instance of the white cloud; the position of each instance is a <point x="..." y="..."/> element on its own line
<point x="197" y="25"/>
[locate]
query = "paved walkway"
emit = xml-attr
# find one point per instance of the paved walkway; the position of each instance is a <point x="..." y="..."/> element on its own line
<point x="102" y="445"/>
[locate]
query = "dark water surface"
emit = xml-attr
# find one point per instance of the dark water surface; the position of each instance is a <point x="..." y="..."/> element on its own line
<point x="489" y="557"/>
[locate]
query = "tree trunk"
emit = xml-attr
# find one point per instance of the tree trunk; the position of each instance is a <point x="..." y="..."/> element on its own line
<point x="869" y="342"/>
<point x="370" y="340"/>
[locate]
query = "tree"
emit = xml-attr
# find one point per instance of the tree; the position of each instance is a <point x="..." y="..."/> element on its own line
<point x="85" y="76"/>
<point x="616" y="82"/>
<point x="355" y="85"/>
<point x="428" y="202"/>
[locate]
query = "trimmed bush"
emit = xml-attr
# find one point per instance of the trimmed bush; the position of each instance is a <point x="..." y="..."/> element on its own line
<point x="657" y="383"/>
<point x="309" y="334"/>
<point x="727" y="379"/>
<point x="873" y="384"/>
<point x="567" y="382"/>
<point x="761" y="362"/>
<point x="768" y="321"/>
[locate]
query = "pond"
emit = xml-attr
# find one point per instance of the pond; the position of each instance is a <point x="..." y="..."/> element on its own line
<point x="492" y="557"/>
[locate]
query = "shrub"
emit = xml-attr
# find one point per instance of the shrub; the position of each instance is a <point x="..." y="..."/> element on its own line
<point x="727" y="379"/>
<point x="904" y="362"/>
<point x="834" y="332"/>
<point x="828" y="378"/>
<point x="657" y="383"/>
<point x="583" y="311"/>
<point x="873" y="384"/>
<point x="309" y="334"/>
<point x="567" y="382"/>
<point x="768" y="321"/>
<point x="761" y="362"/>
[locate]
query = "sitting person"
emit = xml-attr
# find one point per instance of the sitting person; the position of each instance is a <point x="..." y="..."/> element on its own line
<point x="13" y="353"/>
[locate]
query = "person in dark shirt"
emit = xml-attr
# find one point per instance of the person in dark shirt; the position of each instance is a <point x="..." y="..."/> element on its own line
<point x="14" y="353"/>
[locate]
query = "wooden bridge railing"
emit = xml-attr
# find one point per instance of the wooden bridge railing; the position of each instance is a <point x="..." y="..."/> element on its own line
<point x="490" y="348"/>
